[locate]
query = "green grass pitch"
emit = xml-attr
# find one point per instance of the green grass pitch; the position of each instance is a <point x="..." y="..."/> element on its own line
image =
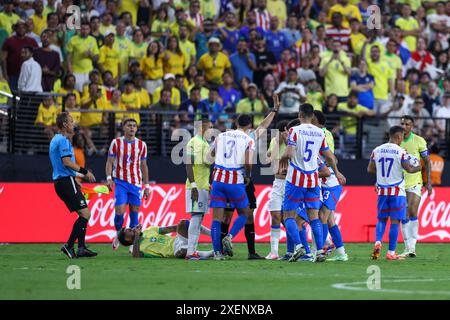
<point x="38" y="271"/>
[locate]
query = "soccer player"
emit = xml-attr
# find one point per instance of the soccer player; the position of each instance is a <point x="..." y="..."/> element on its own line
<point x="387" y="162"/>
<point x="249" y="228"/>
<point x="155" y="243"/>
<point x="331" y="193"/>
<point x="417" y="147"/>
<point x="233" y="151"/>
<point x="127" y="165"/>
<point x="197" y="185"/>
<point x="305" y="142"/>
<point x="68" y="190"/>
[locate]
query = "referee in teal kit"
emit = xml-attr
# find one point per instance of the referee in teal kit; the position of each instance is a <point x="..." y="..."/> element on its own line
<point x="68" y="190"/>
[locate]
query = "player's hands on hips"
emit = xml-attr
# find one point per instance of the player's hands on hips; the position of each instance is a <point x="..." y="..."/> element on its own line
<point x="341" y="178"/>
<point x="110" y="184"/>
<point x="90" y="177"/>
<point x="194" y="194"/>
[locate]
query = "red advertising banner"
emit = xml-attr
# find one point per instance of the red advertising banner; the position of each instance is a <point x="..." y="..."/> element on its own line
<point x="32" y="212"/>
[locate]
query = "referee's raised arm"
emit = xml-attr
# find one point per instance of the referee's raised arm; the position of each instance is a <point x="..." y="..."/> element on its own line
<point x="68" y="190"/>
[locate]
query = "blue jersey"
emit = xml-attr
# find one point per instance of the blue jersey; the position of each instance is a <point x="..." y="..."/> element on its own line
<point x="365" y="98"/>
<point x="61" y="147"/>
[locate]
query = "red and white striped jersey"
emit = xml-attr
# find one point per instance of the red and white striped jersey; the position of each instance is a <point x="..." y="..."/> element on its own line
<point x="127" y="159"/>
<point x="263" y="19"/>
<point x="342" y="35"/>
<point x="308" y="141"/>
<point x="388" y="159"/>
<point x="230" y="148"/>
<point x="331" y="181"/>
<point x="197" y="19"/>
<point x="282" y="69"/>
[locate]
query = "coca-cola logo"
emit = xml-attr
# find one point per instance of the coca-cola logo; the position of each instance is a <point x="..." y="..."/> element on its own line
<point x="101" y="222"/>
<point x="434" y="217"/>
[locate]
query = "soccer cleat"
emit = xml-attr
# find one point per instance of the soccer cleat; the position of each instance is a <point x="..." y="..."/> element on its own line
<point x="339" y="257"/>
<point x="115" y="243"/>
<point x="255" y="256"/>
<point x="130" y="249"/>
<point x="272" y="256"/>
<point x="194" y="256"/>
<point x="320" y="256"/>
<point x="329" y="249"/>
<point x="393" y="257"/>
<point x="299" y="251"/>
<point x="218" y="256"/>
<point x="227" y="245"/>
<point x="412" y="253"/>
<point x="286" y="257"/>
<point x="376" y="251"/>
<point x="85" y="252"/>
<point x="307" y="257"/>
<point x="70" y="252"/>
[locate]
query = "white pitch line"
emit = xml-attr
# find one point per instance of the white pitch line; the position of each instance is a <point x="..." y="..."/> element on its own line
<point x="350" y="286"/>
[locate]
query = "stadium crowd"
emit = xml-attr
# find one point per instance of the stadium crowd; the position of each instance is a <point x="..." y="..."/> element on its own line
<point x="222" y="57"/>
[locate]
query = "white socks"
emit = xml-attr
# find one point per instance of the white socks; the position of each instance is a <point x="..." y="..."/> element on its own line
<point x="405" y="232"/>
<point x="413" y="232"/>
<point x="274" y="240"/>
<point x="206" y="254"/>
<point x="205" y="231"/>
<point x="340" y="250"/>
<point x="194" y="233"/>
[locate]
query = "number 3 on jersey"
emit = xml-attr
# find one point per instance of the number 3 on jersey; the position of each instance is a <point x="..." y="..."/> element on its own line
<point x="386" y="162"/>
<point x="231" y="144"/>
<point x="308" y="151"/>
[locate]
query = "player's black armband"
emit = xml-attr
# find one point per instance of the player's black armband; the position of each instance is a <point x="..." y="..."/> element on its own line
<point x="83" y="170"/>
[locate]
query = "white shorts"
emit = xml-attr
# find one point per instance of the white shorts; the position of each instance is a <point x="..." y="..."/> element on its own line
<point x="276" y="195"/>
<point x="80" y="80"/>
<point x="417" y="189"/>
<point x="180" y="243"/>
<point x="200" y="206"/>
<point x="152" y="85"/>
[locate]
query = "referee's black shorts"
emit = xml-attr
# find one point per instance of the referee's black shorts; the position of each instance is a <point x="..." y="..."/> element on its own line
<point x="250" y="189"/>
<point x="70" y="193"/>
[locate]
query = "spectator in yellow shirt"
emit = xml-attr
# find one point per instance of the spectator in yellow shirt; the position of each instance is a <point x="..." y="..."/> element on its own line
<point x="130" y="99"/>
<point x="214" y="63"/>
<point x="161" y="25"/>
<point x="252" y="104"/>
<point x="348" y="11"/>
<point x="187" y="47"/>
<point x="174" y="59"/>
<point x="139" y="46"/>
<point x="138" y="81"/>
<point x="168" y="84"/>
<point x="46" y="117"/>
<point x="39" y="20"/>
<point x="70" y="105"/>
<point x="124" y="46"/>
<point x="409" y="26"/>
<point x="115" y="104"/>
<point x="109" y="57"/>
<point x="152" y="67"/>
<point x="67" y="88"/>
<point x="357" y="39"/>
<point x="8" y="18"/>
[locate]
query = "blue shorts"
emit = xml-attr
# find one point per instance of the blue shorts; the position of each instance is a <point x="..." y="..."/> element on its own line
<point x="301" y="212"/>
<point x="224" y="195"/>
<point x="331" y="197"/>
<point x="126" y="193"/>
<point x="392" y="206"/>
<point x="294" y="196"/>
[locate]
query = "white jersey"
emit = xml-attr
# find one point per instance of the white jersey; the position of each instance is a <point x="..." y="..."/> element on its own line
<point x="230" y="150"/>
<point x="308" y="141"/>
<point x="331" y="181"/>
<point x="388" y="159"/>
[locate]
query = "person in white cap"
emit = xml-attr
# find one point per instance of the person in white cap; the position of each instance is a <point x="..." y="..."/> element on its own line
<point x="169" y="84"/>
<point x="214" y="63"/>
<point x="109" y="58"/>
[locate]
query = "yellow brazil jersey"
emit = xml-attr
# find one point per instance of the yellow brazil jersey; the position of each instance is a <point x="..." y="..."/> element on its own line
<point x="40" y="23"/>
<point x="62" y="90"/>
<point x="248" y="106"/>
<point x="109" y="58"/>
<point x="189" y="51"/>
<point x="78" y="47"/>
<point x="373" y="44"/>
<point x="416" y="146"/>
<point x="357" y="41"/>
<point x="408" y="25"/>
<point x="329" y="138"/>
<point x="281" y="148"/>
<point x="46" y="116"/>
<point x="104" y="29"/>
<point x="175" y="64"/>
<point x="144" y="97"/>
<point x="117" y="107"/>
<point x="156" y="245"/>
<point x="139" y="50"/>
<point x="159" y="26"/>
<point x="152" y="69"/>
<point x="208" y="9"/>
<point x="204" y="92"/>
<point x="8" y="20"/>
<point x="89" y="119"/>
<point x="394" y="62"/>
<point x="214" y="67"/>
<point x="175" y="98"/>
<point x="278" y="9"/>
<point x="350" y="123"/>
<point x="125" y="48"/>
<point x="4" y="86"/>
<point x="130" y="6"/>
<point x="336" y="80"/>
<point x="348" y="10"/>
<point x="76" y="115"/>
<point x="197" y="149"/>
<point x="132" y="101"/>
<point x="85" y="92"/>
<point x="315" y="98"/>
<point x="381" y="73"/>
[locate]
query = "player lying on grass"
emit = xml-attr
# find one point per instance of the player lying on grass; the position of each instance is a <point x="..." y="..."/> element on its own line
<point x="388" y="162"/>
<point x="155" y="242"/>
